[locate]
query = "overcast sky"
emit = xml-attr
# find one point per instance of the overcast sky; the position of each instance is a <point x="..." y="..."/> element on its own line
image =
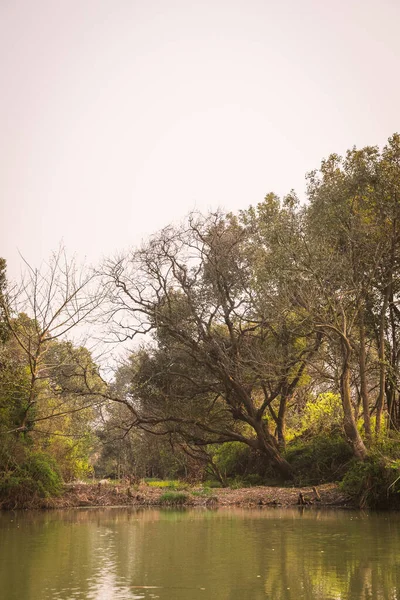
<point x="118" y="116"/>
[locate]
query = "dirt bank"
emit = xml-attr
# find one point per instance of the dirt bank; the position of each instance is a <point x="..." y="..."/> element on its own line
<point x="107" y="494"/>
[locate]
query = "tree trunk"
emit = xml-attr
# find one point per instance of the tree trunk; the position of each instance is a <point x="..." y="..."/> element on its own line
<point x="363" y="378"/>
<point x="267" y="445"/>
<point x="216" y="471"/>
<point x="392" y="384"/>
<point x="350" y="425"/>
<point x="390" y="403"/>
<point x="281" y="421"/>
<point x="382" y="366"/>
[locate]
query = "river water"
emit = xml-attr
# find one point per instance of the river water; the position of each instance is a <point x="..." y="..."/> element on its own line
<point x="226" y="554"/>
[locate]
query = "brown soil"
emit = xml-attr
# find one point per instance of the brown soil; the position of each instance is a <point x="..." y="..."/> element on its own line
<point x="107" y="494"/>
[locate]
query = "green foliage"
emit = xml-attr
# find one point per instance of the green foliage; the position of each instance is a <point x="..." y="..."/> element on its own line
<point x="71" y="456"/>
<point x="242" y="466"/>
<point x="37" y="476"/>
<point x="172" y="485"/>
<point x="250" y="315"/>
<point x="319" y="459"/>
<point x="236" y="483"/>
<point x="253" y="479"/>
<point x="44" y="421"/>
<point x="210" y="483"/>
<point x="173" y="498"/>
<point x="374" y="483"/>
<point x="232" y="458"/>
<point x="325" y="413"/>
<point x="204" y="492"/>
<point x="388" y="446"/>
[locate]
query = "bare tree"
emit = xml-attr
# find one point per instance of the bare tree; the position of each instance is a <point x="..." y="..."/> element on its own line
<point x="47" y="306"/>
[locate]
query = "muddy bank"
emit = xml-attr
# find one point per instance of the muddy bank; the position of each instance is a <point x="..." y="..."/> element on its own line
<point x="107" y="494"/>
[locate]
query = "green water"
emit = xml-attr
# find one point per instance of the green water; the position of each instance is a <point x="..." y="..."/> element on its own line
<point x="236" y="554"/>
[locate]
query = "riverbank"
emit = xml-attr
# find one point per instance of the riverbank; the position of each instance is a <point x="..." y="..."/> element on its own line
<point x="110" y="494"/>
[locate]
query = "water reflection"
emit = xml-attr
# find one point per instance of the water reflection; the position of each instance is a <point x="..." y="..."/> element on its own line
<point x="235" y="554"/>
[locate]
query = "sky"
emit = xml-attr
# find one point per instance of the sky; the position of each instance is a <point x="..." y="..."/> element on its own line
<point x="118" y="117"/>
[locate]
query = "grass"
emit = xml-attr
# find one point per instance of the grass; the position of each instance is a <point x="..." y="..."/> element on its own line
<point x="202" y="493"/>
<point x="173" y="498"/>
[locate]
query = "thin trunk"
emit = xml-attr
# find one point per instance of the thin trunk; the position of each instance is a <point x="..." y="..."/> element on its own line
<point x="215" y="470"/>
<point x="381" y="343"/>
<point x="382" y="366"/>
<point x="363" y="378"/>
<point x="281" y="420"/>
<point x="397" y="411"/>
<point x="390" y="403"/>
<point x="350" y="425"/>
<point x="392" y="384"/>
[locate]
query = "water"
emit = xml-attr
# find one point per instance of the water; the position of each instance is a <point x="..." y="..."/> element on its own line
<point x="233" y="554"/>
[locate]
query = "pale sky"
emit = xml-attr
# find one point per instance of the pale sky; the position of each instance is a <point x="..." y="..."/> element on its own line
<point x="119" y="116"/>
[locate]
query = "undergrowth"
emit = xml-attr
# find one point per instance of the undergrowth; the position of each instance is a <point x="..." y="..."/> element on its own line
<point x="173" y="498"/>
<point x="321" y="459"/>
<point x="374" y="482"/>
<point x="170" y="484"/>
<point x="36" y="477"/>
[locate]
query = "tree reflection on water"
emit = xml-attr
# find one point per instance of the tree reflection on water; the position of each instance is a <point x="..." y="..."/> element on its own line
<point x="229" y="554"/>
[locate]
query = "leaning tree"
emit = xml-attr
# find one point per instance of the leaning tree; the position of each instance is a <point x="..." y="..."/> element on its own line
<point x="222" y="352"/>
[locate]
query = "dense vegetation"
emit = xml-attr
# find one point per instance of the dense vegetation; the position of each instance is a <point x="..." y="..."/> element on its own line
<point x="268" y="348"/>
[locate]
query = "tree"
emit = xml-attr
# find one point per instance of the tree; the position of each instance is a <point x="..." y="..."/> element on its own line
<point x="217" y="365"/>
<point x="46" y="406"/>
<point x="274" y="229"/>
<point x="349" y="259"/>
<point x="44" y="308"/>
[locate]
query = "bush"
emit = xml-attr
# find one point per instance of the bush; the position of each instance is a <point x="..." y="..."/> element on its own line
<point x="173" y="498"/>
<point x="236" y="460"/>
<point x="211" y="483"/>
<point x="374" y="483"/>
<point x="36" y="477"/>
<point x="232" y="458"/>
<point x="173" y="485"/>
<point x="236" y="483"/>
<point x="320" y="459"/>
<point x="71" y="456"/>
<point x="202" y="493"/>
<point x="253" y="480"/>
<point x="388" y="446"/>
<point x="325" y="413"/>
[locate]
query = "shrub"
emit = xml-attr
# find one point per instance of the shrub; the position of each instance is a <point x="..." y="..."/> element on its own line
<point x="173" y="498"/>
<point x="232" y="458"/>
<point x="173" y="485"/>
<point x="210" y="483"/>
<point x="36" y="477"/>
<point x="325" y="413"/>
<point x="202" y="493"/>
<point x="236" y="483"/>
<point x="253" y="480"/>
<point x="374" y="483"/>
<point x="71" y="456"/>
<point x="319" y="459"/>
<point x="389" y="446"/>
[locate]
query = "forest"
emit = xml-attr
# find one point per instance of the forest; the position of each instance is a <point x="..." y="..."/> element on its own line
<point x="239" y="349"/>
